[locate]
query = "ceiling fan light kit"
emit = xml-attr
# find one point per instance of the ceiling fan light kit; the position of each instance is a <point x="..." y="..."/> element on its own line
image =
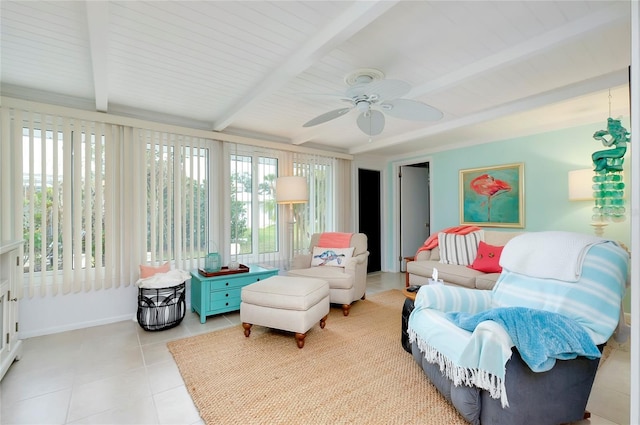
<point x="369" y="93"/>
<point x="363" y="75"/>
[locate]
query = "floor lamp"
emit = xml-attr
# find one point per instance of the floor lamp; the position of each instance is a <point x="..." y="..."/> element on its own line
<point x="291" y="190"/>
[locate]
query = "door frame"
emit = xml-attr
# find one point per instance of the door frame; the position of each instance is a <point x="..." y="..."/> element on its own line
<point x="407" y="232"/>
<point x="394" y="262"/>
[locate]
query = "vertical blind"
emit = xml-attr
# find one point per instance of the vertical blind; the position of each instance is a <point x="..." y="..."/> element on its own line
<point x="94" y="200"/>
<point x="68" y="186"/>
<point x="175" y="170"/>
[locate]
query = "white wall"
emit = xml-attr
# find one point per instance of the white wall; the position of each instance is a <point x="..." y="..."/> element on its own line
<point x="634" y="416"/>
<point x="58" y="313"/>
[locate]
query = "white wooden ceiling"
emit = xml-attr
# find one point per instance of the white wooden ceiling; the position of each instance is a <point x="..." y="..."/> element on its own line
<point x="262" y="69"/>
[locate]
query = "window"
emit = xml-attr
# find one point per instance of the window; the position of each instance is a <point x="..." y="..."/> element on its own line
<point x="95" y="206"/>
<point x="63" y="165"/>
<point x="62" y="185"/>
<point x="258" y="233"/>
<point x="95" y="200"/>
<point x="254" y="225"/>
<point x="177" y="198"/>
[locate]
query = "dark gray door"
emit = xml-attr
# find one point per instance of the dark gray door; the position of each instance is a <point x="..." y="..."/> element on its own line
<point x="369" y="215"/>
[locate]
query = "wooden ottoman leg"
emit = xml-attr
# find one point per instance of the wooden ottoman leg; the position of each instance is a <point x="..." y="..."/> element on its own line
<point x="300" y="339"/>
<point x="345" y="309"/>
<point x="247" y="328"/>
<point x="323" y="321"/>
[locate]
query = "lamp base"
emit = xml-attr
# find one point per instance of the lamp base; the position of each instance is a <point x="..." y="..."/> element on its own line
<point x="598" y="228"/>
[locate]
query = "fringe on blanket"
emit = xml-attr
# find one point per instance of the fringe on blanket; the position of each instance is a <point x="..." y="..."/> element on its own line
<point x="461" y="375"/>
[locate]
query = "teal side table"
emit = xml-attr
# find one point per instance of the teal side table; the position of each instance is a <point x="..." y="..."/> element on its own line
<point x="221" y="294"/>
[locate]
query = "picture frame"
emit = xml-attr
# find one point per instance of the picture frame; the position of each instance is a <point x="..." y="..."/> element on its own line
<point x="492" y="196"/>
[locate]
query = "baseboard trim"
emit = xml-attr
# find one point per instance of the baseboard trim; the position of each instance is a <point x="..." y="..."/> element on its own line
<point x="74" y="326"/>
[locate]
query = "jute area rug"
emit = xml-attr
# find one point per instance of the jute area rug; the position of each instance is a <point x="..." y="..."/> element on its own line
<point x="352" y="371"/>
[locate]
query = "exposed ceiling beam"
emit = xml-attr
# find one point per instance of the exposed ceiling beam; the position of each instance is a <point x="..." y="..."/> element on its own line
<point x="352" y="20"/>
<point x="535" y="45"/>
<point x="98" y="27"/>
<point x="571" y="91"/>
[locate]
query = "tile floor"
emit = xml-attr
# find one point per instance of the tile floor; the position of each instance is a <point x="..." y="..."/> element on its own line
<point x="120" y="374"/>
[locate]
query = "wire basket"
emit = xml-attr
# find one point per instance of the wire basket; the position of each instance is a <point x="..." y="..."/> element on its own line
<point x="161" y="308"/>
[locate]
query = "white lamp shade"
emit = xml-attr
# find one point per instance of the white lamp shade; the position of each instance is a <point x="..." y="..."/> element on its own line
<point x="581" y="185"/>
<point x="292" y="190"/>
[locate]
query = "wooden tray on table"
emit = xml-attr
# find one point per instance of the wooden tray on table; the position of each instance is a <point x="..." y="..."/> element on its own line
<point x="225" y="270"/>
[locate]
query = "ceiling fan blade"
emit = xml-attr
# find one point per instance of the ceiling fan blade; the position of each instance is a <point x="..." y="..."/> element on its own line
<point x="413" y="110"/>
<point x="327" y="116"/>
<point x="381" y="89"/>
<point x="371" y="122"/>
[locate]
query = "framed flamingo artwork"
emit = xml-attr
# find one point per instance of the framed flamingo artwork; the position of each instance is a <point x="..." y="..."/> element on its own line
<point x="493" y="196"/>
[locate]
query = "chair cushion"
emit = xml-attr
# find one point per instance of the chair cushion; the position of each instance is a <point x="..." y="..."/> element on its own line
<point x="487" y="281"/>
<point x="335" y="276"/>
<point x="450" y="273"/>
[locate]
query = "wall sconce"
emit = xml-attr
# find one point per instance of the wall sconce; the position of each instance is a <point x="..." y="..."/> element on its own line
<point x="581" y="189"/>
<point x="581" y="185"/>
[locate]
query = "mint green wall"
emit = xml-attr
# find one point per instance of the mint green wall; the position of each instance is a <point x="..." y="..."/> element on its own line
<point x="547" y="158"/>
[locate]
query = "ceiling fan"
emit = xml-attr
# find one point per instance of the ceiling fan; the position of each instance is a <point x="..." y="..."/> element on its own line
<point x="373" y="97"/>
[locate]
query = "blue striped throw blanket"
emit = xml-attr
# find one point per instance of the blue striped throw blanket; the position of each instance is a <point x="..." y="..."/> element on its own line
<point x="541" y="337"/>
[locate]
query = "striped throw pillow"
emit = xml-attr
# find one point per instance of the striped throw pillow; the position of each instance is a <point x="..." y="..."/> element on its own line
<point x="459" y="249"/>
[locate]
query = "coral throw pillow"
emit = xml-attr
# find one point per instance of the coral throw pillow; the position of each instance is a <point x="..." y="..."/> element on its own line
<point x="148" y="271"/>
<point x="488" y="258"/>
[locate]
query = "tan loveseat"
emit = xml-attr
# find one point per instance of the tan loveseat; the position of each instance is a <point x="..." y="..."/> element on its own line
<point x="421" y="269"/>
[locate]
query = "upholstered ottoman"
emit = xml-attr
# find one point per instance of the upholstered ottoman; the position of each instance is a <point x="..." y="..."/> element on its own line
<point x="291" y="304"/>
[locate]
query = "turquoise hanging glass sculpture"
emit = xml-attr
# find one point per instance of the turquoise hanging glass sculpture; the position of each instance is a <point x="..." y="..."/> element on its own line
<point x="608" y="187"/>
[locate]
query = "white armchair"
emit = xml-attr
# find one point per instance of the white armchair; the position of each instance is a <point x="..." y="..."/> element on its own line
<point x="346" y="284"/>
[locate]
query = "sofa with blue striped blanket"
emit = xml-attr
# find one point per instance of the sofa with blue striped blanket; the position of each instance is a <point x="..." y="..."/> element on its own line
<point x="526" y="351"/>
